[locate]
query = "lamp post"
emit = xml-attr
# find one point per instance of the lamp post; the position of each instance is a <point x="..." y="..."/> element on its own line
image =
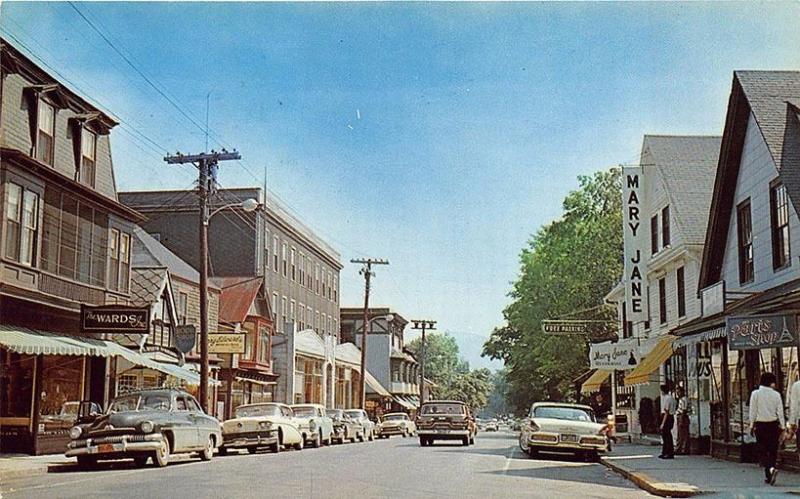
<point x="248" y="205"/>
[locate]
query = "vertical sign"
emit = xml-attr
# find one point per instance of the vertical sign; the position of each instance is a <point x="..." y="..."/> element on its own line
<point x="633" y="239"/>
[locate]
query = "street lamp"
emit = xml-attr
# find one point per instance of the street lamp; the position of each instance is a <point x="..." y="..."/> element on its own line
<point x="248" y="206"/>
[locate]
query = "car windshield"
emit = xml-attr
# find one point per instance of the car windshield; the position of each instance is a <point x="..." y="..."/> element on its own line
<point x="566" y="413"/>
<point x="335" y="413"/>
<point x="250" y="411"/>
<point x="304" y="411"/>
<point x="442" y="409"/>
<point x="141" y="402"/>
<point x="354" y="414"/>
<point x="395" y="417"/>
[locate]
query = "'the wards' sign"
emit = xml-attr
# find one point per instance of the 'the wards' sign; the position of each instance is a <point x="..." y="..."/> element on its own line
<point x="633" y="238"/>
<point x="115" y="318"/>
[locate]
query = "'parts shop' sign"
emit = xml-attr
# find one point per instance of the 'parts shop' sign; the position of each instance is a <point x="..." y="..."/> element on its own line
<point x="113" y="318"/>
<point x="633" y="238"/>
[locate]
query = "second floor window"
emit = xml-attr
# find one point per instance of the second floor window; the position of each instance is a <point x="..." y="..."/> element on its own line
<point x="275" y="254"/>
<point x="45" y="132"/>
<point x="22" y="224"/>
<point x="666" y="236"/>
<point x="654" y="235"/>
<point x="680" y="281"/>
<point x="183" y="307"/>
<point x="294" y="265"/>
<point x="745" y="241"/>
<point x="662" y="300"/>
<point x="779" y="217"/>
<point x="285" y="261"/>
<point x="119" y="271"/>
<point x="88" y="154"/>
<point x="263" y="347"/>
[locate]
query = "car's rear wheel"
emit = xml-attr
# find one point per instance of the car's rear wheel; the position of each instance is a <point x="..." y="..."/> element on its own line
<point x="371" y="436"/>
<point x="161" y="456"/>
<point x="465" y="441"/>
<point x="276" y="447"/>
<point x="533" y="453"/>
<point x="252" y="450"/>
<point x="208" y="452"/>
<point x="423" y="442"/>
<point x="472" y="440"/>
<point x="302" y="443"/>
<point x="87" y="462"/>
<point x="222" y="451"/>
<point x="317" y="443"/>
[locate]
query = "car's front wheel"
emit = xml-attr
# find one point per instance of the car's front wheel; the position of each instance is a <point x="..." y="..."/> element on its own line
<point x="317" y="443"/>
<point x="371" y="436"/>
<point x="161" y="456"/>
<point x="87" y="462"/>
<point x="208" y="452"/>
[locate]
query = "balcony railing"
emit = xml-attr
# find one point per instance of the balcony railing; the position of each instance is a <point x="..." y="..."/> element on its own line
<point x="70" y="290"/>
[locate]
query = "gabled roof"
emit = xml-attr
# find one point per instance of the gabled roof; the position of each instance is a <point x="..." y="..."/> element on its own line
<point x="687" y="165"/>
<point x="773" y="98"/>
<point x="238" y="295"/>
<point x="147" y="284"/>
<point x="148" y="252"/>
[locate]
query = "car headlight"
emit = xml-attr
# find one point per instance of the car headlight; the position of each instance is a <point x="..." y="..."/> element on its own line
<point x="75" y="432"/>
<point x="264" y="424"/>
<point x="312" y="426"/>
<point x="534" y="426"/>
<point x="146" y="426"/>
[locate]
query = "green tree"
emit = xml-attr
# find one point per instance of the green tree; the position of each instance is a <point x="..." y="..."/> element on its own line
<point x="568" y="266"/>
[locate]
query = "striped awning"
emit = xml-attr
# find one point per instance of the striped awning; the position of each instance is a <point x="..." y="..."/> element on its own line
<point x="405" y="403"/>
<point x="595" y="381"/>
<point x="660" y="353"/>
<point x="35" y="342"/>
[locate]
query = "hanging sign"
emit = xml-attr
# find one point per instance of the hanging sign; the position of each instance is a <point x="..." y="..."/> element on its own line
<point x="114" y="318"/>
<point x="621" y="355"/>
<point x="185" y="338"/>
<point x="634" y="243"/>
<point x="226" y="343"/>
<point x="761" y="331"/>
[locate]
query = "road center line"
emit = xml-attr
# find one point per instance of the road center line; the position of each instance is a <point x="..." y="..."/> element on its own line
<point x="508" y="460"/>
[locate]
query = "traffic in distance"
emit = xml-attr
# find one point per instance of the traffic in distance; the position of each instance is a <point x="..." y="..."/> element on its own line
<point x="153" y="425"/>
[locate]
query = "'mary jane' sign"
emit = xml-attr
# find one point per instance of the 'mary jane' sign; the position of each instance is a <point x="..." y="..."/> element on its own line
<point x="633" y="238"/>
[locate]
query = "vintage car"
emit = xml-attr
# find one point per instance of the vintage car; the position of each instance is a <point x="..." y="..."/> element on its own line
<point x="445" y="420"/>
<point x="360" y="417"/>
<point x="344" y="427"/>
<point x="395" y="423"/>
<point x="492" y="425"/>
<point x="314" y="425"/>
<point x="557" y="427"/>
<point x="267" y="424"/>
<point x="145" y="424"/>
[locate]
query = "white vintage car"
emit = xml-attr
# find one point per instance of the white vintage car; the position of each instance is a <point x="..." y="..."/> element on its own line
<point x="269" y="425"/>
<point x="395" y="423"/>
<point x="569" y="428"/>
<point x="313" y="423"/>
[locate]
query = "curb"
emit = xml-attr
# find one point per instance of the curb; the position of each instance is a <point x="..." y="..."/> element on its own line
<point x="648" y="484"/>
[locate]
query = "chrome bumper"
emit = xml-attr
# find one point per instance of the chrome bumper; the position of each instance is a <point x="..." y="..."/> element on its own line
<point x="567" y="446"/>
<point x="244" y="442"/>
<point x="443" y="433"/>
<point x="151" y="443"/>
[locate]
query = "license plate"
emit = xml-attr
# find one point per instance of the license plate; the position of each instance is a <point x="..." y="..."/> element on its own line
<point x="105" y="448"/>
<point x="569" y="438"/>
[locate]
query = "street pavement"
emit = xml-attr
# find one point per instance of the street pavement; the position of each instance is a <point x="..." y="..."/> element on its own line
<point x="396" y="468"/>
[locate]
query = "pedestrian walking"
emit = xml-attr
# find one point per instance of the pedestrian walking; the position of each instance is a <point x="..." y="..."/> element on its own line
<point x="767" y="423"/>
<point x="682" y="420"/>
<point x="668" y="408"/>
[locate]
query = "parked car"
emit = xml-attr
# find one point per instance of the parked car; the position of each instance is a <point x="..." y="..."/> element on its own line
<point x="445" y="420"/>
<point x="251" y="429"/>
<point x="557" y="427"/>
<point x="492" y="426"/>
<point x="146" y="424"/>
<point x="344" y="427"/>
<point x="395" y="423"/>
<point x="280" y="417"/>
<point x="315" y="427"/>
<point x="367" y="426"/>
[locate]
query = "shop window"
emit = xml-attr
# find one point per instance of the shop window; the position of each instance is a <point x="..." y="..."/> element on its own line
<point x="61" y="393"/>
<point x="779" y="215"/>
<point x="88" y="157"/>
<point x="16" y="384"/>
<point x="45" y="132"/>
<point x="745" y="240"/>
<point x="22" y="224"/>
<point x="127" y="383"/>
<point x="680" y="282"/>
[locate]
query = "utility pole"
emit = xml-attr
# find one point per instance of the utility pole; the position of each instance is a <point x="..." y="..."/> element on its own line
<point x="424" y="325"/>
<point x="206" y="164"/>
<point x="366" y="271"/>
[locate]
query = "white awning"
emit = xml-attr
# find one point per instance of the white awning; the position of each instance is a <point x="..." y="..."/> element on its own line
<point x="403" y="402"/>
<point x="375" y="386"/>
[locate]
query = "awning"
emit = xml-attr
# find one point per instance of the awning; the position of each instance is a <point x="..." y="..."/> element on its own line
<point x="404" y="403"/>
<point x="595" y="381"/>
<point x="34" y="342"/>
<point x="256" y="381"/>
<point x="661" y="352"/>
<point x="711" y="334"/>
<point x="375" y="386"/>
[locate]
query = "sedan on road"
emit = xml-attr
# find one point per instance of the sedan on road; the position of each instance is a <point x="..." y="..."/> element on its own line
<point x="395" y="423"/>
<point x="315" y="426"/>
<point x="146" y="424"/>
<point x="344" y="427"/>
<point x="570" y="428"/>
<point x="251" y="429"/>
<point x="445" y="420"/>
<point x="367" y="426"/>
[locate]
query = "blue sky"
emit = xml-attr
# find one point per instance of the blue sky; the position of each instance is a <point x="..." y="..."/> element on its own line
<point x="438" y="136"/>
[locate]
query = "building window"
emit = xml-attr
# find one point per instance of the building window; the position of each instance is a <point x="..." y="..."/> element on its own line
<point x="22" y="224"/>
<point x="654" y="235"/>
<point x="681" y="287"/>
<point x="779" y="215"/>
<point x="275" y="310"/>
<point x="285" y="260"/>
<point x="292" y="310"/>
<point x="284" y="310"/>
<point x="119" y="261"/>
<point x="302" y="269"/>
<point x="745" y="234"/>
<point x="665" y="228"/>
<point x="275" y="254"/>
<point x="294" y="265"/>
<point x="263" y="347"/>
<point x="316" y="278"/>
<point x="183" y="307"/>
<point x="45" y="132"/>
<point x="649" y="309"/>
<point x="88" y="155"/>
<point x="335" y="290"/>
<point x="266" y="253"/>
<point x="301" y="319"/>
<point x="662" y="300"/>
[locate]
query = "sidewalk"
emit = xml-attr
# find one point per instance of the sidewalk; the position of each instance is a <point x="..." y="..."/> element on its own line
<point x="686" y="476"/>
<point x="15" y="465"/>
